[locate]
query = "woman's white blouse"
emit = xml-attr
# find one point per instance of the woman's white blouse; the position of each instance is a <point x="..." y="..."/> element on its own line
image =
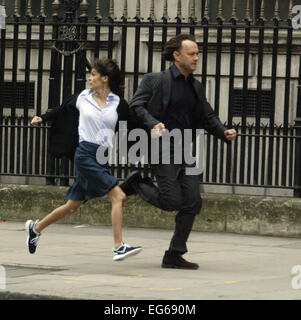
<point x="97" y="125"/>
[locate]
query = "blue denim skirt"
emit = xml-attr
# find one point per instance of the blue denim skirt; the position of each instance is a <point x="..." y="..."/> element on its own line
<point x="93" y="180"/>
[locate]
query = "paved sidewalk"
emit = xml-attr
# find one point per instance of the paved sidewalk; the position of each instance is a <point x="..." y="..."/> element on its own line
<point x="76" y="262"/>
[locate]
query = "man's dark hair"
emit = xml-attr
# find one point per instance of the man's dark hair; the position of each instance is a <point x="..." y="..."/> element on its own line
<point x="174" y="44"/>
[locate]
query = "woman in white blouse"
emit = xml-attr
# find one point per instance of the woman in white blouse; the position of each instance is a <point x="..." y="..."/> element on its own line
<point x="96" y="112"/>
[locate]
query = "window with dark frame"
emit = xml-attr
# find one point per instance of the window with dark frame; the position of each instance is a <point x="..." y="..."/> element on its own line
<point x="18" y="94"/>
<point x="251" y="102"/>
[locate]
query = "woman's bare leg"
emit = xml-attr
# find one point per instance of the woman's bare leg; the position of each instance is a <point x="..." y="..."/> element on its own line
<point x="57" y="214"/>
<point x="117" y="197"/>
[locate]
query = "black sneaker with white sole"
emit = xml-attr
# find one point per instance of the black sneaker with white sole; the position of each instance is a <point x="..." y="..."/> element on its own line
<point x="125" y="251"/>
<point x="33" y="236"/>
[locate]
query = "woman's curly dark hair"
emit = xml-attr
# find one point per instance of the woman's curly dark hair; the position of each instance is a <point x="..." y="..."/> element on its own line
<point x="109" y="67"/>
<point x="174" y="44"/>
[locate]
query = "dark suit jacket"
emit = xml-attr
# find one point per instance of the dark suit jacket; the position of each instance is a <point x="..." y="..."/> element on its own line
<point x="64" y="137"/>
<point x="150" y="102"/>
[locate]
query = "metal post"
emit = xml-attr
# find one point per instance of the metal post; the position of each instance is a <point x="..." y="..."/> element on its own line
<point x="297" y="169"/>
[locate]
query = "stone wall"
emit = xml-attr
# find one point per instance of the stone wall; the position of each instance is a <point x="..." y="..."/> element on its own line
<point x="258" y="215"/>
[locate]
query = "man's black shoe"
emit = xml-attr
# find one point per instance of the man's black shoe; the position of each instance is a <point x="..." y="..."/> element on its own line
<point x="174" y="261"/>
<point x="126" y="185"/>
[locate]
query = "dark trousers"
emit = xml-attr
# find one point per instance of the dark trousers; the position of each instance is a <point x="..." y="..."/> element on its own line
<point x="176" y="191"/>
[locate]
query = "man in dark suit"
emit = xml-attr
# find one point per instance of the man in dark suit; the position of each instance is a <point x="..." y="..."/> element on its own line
<point x="174" y="99"/>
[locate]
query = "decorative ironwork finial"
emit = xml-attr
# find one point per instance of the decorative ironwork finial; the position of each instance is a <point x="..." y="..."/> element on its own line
<point x="125" y="10"/>
<point x="55" y="7"/>
<point x="138" y="10"/>
<point x="84" y="8"/>
<point x="42" y="9"/>
<point x="179" y="10"/>
<point x="248" y="12"/>
<point x="29" y="10"/>
<point x="276" y="11"/>
<point x="206" y="11"/>
<point x="234" y="11"/>
<point x="261" y="15"/>
<point x="4" y="6"/>
<point x="111" y="10"/>
<point x="220" y="11"/>
<point x="290" y="11"/>
<point x="152" y="11"/>
<point x="165" y="10"/>
<point x="97" y="11"/>
<point x="16" y="9"/>
<point x="192" y="15"/>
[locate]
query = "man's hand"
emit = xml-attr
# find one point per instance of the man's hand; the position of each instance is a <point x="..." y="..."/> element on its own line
<point x="230" y="134"/>
<point x="36" y="120"/>
<point x="156" y="131"/>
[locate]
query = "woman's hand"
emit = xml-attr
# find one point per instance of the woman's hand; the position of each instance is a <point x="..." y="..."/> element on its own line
<point x="36" y="120"/>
